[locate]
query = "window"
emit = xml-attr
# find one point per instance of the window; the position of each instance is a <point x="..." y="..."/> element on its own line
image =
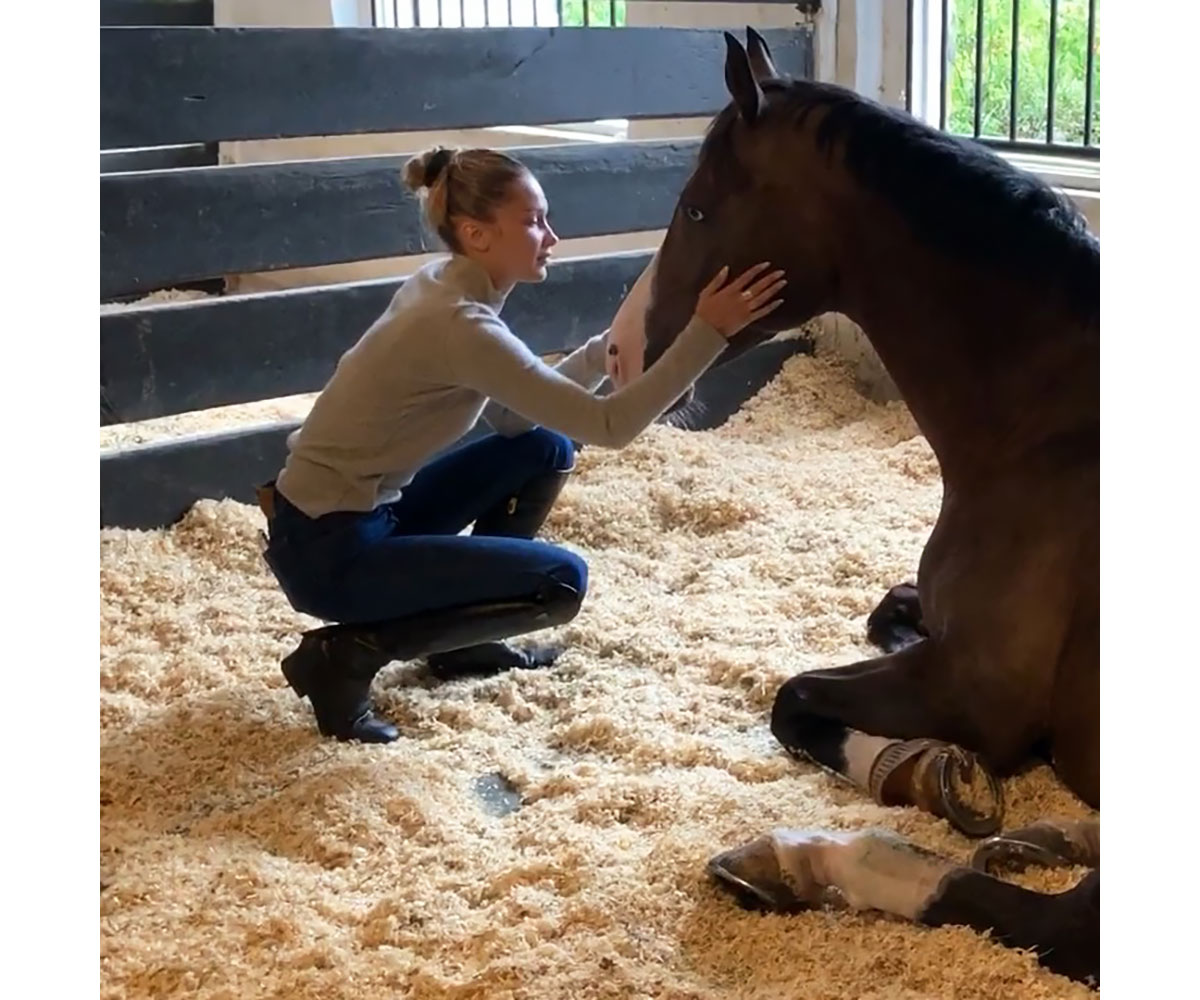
<point x="968" y="58"/>
<point x="499" y="13"/>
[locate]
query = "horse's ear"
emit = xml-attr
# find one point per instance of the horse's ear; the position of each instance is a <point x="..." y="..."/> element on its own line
<point x="739" y="78"/>
<point x="761" y="63"/>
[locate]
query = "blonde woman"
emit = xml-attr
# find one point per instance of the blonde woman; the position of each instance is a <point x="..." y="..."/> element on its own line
<point x="366" y="524"/>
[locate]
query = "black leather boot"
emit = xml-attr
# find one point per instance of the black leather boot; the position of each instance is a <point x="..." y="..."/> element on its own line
<point x="522" y="515"/>
<point x="487" y="659"/>
<point x="518" y="516"/>
<point x="486" y="656"/>
<point x="334" y="666"/>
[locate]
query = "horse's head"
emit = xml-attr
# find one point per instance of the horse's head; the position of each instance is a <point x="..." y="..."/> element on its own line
<point x="752" y="197"/>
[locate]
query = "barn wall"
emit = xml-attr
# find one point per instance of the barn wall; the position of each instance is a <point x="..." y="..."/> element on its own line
<point x="332" y="13"/>
<point x="859" y="44"/>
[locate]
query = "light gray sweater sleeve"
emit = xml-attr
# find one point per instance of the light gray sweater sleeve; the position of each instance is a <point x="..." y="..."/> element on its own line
<point x="488" y="357"/>
<point x="584" y="366"/>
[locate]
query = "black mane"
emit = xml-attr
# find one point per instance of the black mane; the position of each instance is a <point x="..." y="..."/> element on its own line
<point x="955" y="194"/>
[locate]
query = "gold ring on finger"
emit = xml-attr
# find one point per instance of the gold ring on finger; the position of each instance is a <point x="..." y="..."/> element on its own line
<point x="747" y="295"/>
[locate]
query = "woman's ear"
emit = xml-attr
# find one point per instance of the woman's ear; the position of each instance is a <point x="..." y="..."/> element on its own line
<point x="474" y="236"/>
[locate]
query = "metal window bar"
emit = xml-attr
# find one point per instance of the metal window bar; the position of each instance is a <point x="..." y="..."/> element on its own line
<point x="908" y="58"/>
<point x="567" y="13"/>
<point x="943" y="62"/>
<point x="1012" y="71"/>
<point x="1050" y="73"/>
<point x="978" y="66"/>
<point x="1013" y="141"/>
<point x="1088" y="79"/>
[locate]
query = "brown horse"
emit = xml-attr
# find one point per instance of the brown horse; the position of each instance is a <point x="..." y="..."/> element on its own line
<point x="978" y="286"/>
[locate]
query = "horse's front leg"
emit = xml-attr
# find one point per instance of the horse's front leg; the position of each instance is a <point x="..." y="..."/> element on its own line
<point x="787" y="870"/>
<point x="894" y="728"/>
<point x="897" y="621"/>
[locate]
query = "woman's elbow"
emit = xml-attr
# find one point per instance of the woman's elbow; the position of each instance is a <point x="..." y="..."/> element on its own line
<point x="619" y="438"/>
<point x="611" y="433"/>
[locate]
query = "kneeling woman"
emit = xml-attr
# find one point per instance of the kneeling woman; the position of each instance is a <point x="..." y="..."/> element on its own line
<point x="365" y="525"/>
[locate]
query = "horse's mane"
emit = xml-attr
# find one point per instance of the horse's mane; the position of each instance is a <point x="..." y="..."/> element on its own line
<point x="955" y="194"/>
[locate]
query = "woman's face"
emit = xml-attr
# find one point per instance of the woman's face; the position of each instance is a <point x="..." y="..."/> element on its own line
<point x="516" y="245"/>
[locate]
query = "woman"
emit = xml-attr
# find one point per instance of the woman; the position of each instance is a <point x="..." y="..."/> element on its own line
<point x="365" y="525"/>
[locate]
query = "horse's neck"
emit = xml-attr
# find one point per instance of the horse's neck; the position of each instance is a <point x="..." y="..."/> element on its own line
<point x="980" y="363"/>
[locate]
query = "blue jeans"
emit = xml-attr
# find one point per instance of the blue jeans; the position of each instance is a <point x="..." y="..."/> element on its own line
<point x="407" y="557"/>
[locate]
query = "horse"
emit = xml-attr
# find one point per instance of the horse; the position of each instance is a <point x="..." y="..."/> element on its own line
<point x="978" y="286"/>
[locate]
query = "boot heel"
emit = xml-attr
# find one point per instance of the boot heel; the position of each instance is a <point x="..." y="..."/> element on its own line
<point x="299" y="679"/>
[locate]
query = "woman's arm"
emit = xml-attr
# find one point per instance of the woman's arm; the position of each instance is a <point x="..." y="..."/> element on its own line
<point x="584" y="366"/>
<point x="615" y="354"/>
<point x="488" y="357"/>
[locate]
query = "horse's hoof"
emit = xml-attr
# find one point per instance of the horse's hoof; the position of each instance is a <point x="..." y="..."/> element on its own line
<point x="896" y="623"/>
<point x="1047" y="843"/>
<point x="751" y="874"/>
<point x="946" y="781"/>
<point x="958" y="784"/>
<point x="1009" y="852"/>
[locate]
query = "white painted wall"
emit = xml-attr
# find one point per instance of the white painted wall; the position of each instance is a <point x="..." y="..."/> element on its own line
<point x="277" y="13"/>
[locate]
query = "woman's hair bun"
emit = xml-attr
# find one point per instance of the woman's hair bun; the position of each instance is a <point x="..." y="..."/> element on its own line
<point x="424" y="170"/>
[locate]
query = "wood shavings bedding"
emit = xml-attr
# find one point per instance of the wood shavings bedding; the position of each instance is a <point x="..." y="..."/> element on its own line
<point x="244" y="856"/>
<point x="117" y="436"/>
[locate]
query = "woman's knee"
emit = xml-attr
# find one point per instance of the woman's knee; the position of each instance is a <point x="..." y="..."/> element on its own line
<point x="571" y="572"/>
<point x="568" y="588"/>
<point x="553" y="452"/>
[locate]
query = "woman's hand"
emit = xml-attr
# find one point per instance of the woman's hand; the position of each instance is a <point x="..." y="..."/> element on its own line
<point x="732" y="307"/>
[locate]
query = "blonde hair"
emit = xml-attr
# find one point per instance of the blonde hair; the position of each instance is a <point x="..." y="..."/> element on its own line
<point x="460" y="183"/>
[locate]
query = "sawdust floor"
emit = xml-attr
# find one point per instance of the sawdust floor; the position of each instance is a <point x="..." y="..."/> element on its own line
<point x="243" y="856"/>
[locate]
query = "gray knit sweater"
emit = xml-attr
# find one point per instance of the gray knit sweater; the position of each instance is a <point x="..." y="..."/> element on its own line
<point x="438" y="359"/>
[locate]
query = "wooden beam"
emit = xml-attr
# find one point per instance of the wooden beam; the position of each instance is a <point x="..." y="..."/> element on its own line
<point x="174" y="358"/>
<point x="162" y="228"/>
<point x="115" y="13"/>
<point x="153" y="485"/>
<point x="174" y="85"/>
<point x="203" y="154"/>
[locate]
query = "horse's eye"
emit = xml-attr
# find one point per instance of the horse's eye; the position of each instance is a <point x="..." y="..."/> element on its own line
<point x="694" y="214"/>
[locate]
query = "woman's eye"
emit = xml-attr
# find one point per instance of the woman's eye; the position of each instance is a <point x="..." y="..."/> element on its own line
<point x="694" y="214"/>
